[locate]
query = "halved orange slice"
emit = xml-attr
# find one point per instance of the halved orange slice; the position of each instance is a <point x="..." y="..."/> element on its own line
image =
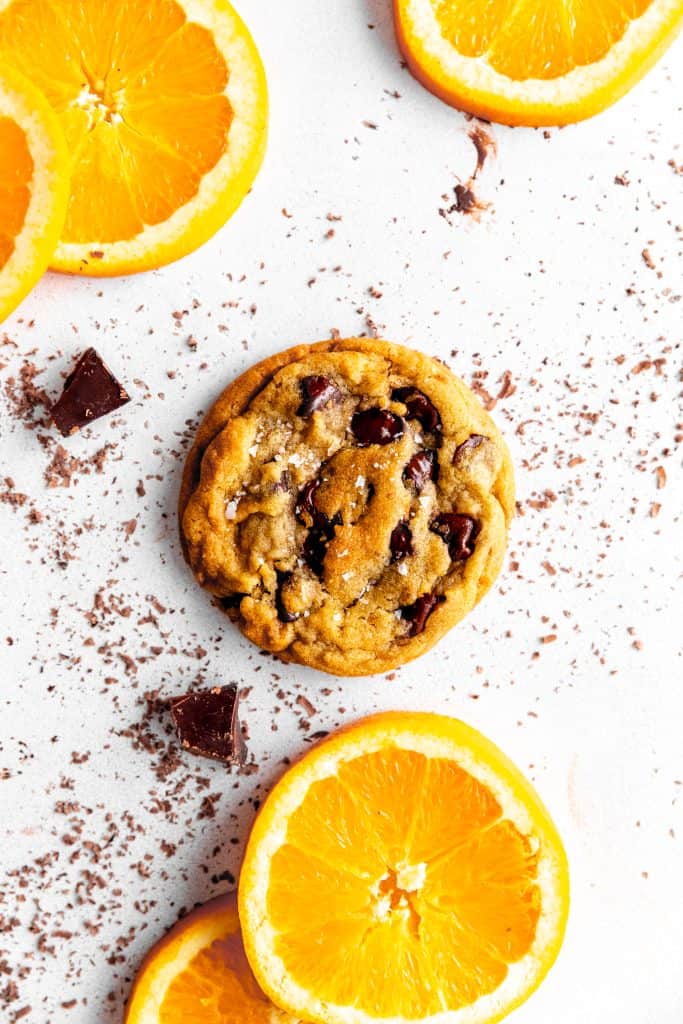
<point x="34" y="186"/>
<point x="534" y="62"/>
<point x="403" y="870"/>
<point x="164" y="106"/>
<point x="198" y="974"/>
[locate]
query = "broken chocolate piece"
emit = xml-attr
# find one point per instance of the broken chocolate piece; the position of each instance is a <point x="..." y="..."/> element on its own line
<point x="283" y="614"/>
<point x="90" y="391"/>
<point x="377" y="426"/>
<point x="458" y="532"/>
<point x="316" y="393"/>
<point x="419" y="408"/>
<point x="400" y="542"/>
<point x="416" y="614"/>
<point x="472" y="442"/>
<point x="207" y="724"/>
<point x="421" y="467"/>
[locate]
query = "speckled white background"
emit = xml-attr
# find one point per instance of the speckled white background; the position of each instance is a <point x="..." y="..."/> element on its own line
<point x="549" y="284"/>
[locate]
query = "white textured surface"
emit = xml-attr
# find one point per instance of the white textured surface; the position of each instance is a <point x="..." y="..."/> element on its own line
<point x="550" y="284"/>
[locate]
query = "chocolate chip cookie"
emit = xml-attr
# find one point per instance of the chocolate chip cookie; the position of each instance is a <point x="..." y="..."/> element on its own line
<point x="347" y="503"/>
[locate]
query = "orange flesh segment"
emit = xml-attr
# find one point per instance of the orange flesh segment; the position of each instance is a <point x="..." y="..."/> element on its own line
<point x="414" y="891"/>
<point x="140" y="93"/>
<point x="16" y="173"/>
<point x="219" y="982"/>
<point x="536" y="38"/>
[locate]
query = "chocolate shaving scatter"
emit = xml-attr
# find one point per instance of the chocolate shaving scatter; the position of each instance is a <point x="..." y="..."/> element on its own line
<point x="91" y="390"/>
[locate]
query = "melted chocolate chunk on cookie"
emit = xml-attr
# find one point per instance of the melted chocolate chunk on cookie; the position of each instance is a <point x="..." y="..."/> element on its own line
<point x="207" y="724"/>
<point x="284" y="483"/>
<point x="283" y="578"/>
<point x="377" y="426"/>
<point x="416" y="614"/>
<point x="231" y="601"/>
<point x="401" y="542"/>
<point x="419" y="408"/>
<point x="305" y="510"/>
<point x="458" y="531"/>
<point x="421" y="467"/>
<point x="472" y="442"/>
<point x="317" y="539"/>
<point x="316" y="393"/>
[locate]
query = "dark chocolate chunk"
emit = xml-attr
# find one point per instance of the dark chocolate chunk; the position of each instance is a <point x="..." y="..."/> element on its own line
<point x="284" y="483"/>
<point x="421" y="467"/>
<point x="283" y="614"/>
<point x="231" y="601"/>
<point x="317" y="539"/>
<point x="305" y="510"/>
<point x="416" y="614"/>
<point x="317" y="392"/>
<point x="90" y="391"/>
<point x="458" y="532"/>
<point x="419" y="408"/>
<point x="472" y="442"/>
<point x="400" y="542"/>
<point x="377" y="426"/>
<point x="207" y="723"/>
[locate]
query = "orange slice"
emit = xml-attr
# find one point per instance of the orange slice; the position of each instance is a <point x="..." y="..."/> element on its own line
<point x="535" y="62"/>
<point x="198" y="973"/>
<point x="34" y="187"/>
<point x="164" y="106"/>
<point x="403" y="870"/>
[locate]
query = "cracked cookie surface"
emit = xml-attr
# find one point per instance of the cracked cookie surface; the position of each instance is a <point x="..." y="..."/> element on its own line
<point x="347" y="503"/>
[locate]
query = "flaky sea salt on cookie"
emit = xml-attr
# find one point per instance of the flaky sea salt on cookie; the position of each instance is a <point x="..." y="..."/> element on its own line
<point x="347" y="503"/>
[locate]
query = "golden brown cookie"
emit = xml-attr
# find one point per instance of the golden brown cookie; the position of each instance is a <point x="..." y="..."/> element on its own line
<point x="347" y="503"/>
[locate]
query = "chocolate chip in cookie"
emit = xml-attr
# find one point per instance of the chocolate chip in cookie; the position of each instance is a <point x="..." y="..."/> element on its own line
<point x="316" y="393"/>
<point x="458" y="532"/>
<point x="377" y="426"/>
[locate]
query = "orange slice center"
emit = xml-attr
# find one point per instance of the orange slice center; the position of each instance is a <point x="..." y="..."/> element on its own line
<point x="16" y="173"/>
<point x="140" y="91"/>
<point x="536" y="38"/>
<point x="403" y="875"/>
